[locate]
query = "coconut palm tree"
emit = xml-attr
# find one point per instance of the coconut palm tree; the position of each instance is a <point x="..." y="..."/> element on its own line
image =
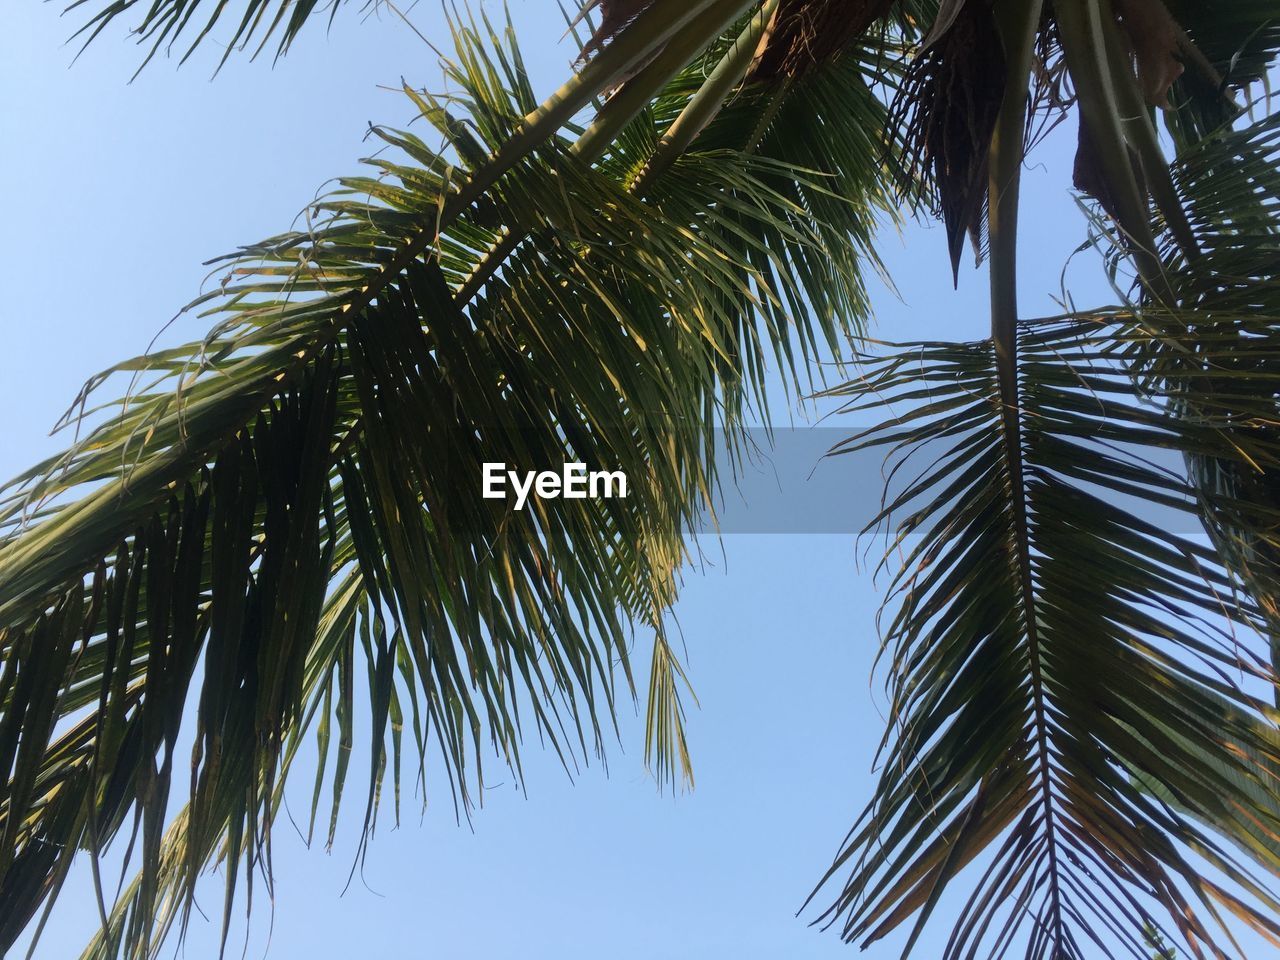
<point x="1082" y="740"/>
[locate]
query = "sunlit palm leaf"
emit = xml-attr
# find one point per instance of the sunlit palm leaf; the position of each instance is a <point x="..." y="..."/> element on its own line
<point x="181" y="25"/>
<point x="293" y="503"/>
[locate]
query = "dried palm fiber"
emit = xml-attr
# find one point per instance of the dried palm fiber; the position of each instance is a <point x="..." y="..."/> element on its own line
<point x="1156" y="40"/>
<point x="615" y="16"/>
<point x="946" y="110"/>
<point x="804" y="33"/>
<point x="801" y="34"/>
<point x="1051" y="99"/>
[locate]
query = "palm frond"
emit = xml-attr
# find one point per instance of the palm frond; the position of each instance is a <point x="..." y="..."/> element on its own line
<point x="1058" y="663"/>
<point x="1230" y="188"/>
<point x="167" y="25"/>
<point x="1227" y="47"/>
<point x="1051" y="645"/>
<point x="294" y="501"/>
<point x="945" y="111"/>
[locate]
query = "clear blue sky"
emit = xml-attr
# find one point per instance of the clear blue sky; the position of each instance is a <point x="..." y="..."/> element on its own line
<point x="115" y="194"/>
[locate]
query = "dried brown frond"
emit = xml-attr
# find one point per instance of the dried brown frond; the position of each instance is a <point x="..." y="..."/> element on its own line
<point x="1051" y="97"/>
<point x="615" y="16"/>
<point x="946" y="113"/>
<point x="1155" y="38"/>
<point x="805" y="33"/>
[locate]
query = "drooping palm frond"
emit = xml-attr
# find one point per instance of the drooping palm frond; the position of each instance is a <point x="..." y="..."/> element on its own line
<point x="1226" y="47"/>
<point x="294" y="503"/>
<point x="947" y="109"/>
<point x="1060" y="663"/>
<point x="169" y="25"/>
<point x="181" y="26"/>
<point x="1230" y="187"/>
<point x="1053" y="640"/>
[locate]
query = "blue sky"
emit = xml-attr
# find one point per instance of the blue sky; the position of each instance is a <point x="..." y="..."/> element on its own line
<point x="118" y="192"/>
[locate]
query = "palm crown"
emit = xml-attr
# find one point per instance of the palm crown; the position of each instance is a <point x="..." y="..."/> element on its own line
<point x="1082" y="701"/>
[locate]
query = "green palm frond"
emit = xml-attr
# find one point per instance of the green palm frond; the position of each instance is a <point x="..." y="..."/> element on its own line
<point x="181" y="26"/>
<point x="1259" y="840"/>
<point x="293" y="503"/>
<point x="169" y="25"/>
<point x="1227" y="46"/>
<point x="1055" y="658"/>
<point x="1051" y="644"/>
<point x="1230" y="187"/>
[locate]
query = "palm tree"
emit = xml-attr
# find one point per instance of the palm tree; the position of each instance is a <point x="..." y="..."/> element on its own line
<point x="1083" y="733"/>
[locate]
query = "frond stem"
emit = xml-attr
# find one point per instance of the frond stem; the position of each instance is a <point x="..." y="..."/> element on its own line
<point x="617" y="112"/>
<point x="1018" y="21"/>
<point x="709" y="100"/>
